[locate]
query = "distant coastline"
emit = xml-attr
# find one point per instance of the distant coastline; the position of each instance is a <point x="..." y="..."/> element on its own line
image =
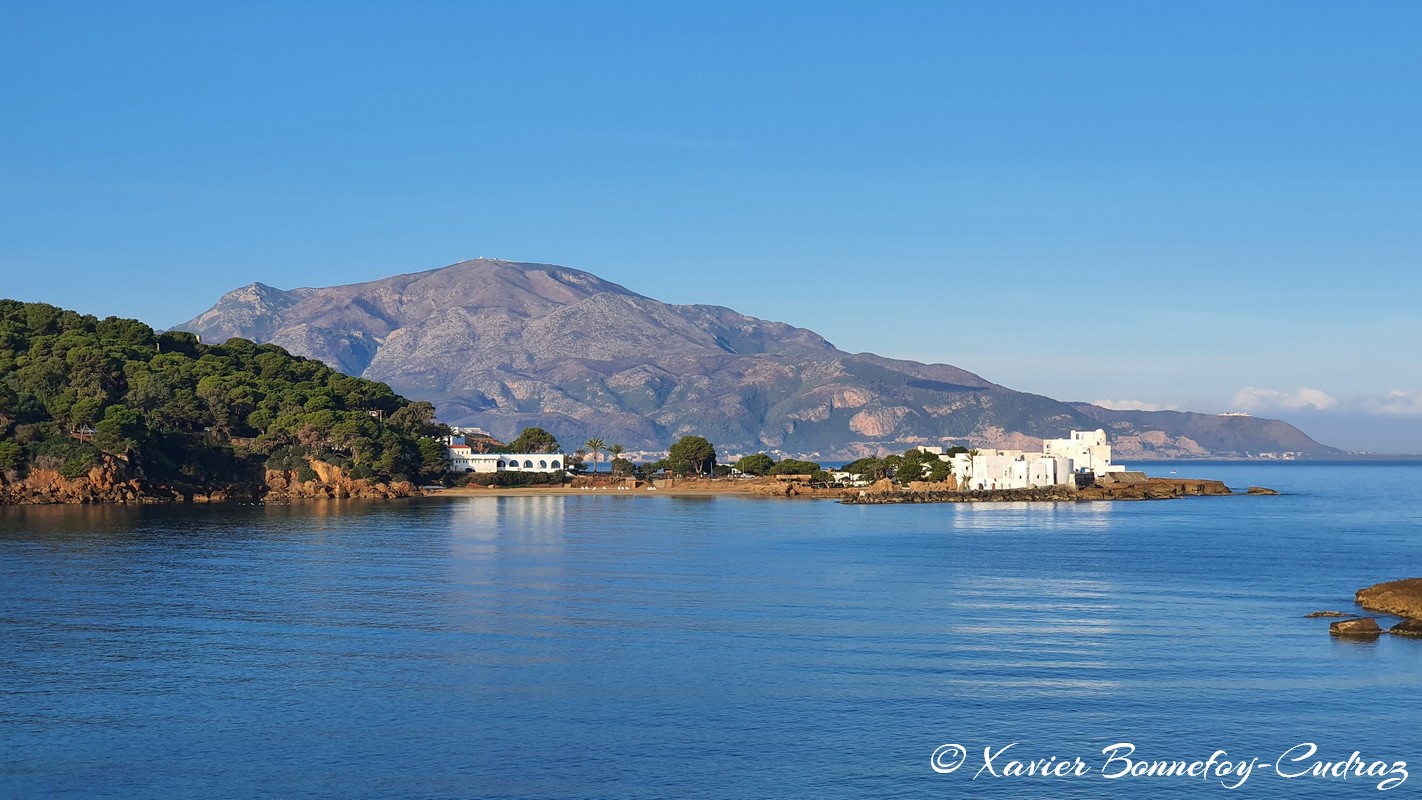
<point x="1350" y="458"/>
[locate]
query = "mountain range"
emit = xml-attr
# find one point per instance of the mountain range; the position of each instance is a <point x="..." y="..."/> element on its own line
<point x="504" y="345"/>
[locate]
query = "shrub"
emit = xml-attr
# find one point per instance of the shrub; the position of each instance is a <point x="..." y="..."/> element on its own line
<point x="287" y="458"/>
<point x="512" y="478"/>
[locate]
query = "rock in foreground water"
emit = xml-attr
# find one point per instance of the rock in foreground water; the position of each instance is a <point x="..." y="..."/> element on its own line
<point x="1403" y="598"/>
<point x="1407" y="627"/>
<point x="1360" y="626"/>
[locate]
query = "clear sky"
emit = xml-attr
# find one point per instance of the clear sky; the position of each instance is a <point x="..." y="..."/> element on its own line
<point x="1206" y="206"/>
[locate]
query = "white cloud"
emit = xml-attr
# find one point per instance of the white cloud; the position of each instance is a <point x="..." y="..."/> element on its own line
<point x="1396" y="403"/>
<point x="1265" y="400"/>
<point x="1134" y="405"/>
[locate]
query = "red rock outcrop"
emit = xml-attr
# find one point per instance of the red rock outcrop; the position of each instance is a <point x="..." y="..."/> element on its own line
<point x="105" y="483"/>
<point x="331" y="482"/>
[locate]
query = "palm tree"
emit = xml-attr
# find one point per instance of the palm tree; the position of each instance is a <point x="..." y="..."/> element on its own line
<point x="595" y="445"/>
<point x="615" y="451"/>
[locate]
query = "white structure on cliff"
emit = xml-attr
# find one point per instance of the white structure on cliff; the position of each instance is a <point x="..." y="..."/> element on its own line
<point x="1086" y="449"/>
<point x="1057" y="465"/>
<point x="462" y="458"/>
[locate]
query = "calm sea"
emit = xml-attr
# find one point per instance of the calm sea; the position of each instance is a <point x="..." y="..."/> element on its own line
<point x="617" y="647"/>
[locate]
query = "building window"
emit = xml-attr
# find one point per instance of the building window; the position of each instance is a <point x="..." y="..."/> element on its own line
<point x="502" y="464"/>
<point x="542" y="464"/>
<point x="555" y="465"/>
<point x="528" y="464"/>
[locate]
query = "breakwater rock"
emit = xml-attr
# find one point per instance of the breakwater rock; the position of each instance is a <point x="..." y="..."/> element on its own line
<point x="1154" y="489"/>
<point x="1148" y="489"/>
<point x="1041" y="494"/>
<point x="1402" y="598"/>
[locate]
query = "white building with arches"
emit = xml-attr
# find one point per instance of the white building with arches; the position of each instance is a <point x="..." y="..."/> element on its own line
<point x="462" y="458"/>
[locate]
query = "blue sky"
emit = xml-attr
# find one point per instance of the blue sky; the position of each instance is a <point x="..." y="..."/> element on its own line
<point x="1206" y="206"/>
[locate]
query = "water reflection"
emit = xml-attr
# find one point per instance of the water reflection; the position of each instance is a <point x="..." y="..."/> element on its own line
<point x="998" y="517"/>
<point x="24" y="521"/>
<point x="535" y="521"/>
<point x="506" y="565"/>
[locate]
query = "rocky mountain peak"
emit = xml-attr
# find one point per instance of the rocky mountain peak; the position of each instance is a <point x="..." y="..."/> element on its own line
<point x="503" y="345"/>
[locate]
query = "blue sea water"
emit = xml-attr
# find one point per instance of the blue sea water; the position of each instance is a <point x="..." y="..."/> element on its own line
<point x="658" y="647"/>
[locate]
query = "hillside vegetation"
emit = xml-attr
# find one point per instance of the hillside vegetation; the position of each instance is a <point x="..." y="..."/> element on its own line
<point x="77" y="392"/>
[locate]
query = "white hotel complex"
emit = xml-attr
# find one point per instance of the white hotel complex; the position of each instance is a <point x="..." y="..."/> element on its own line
<point x="1057" y="465"/>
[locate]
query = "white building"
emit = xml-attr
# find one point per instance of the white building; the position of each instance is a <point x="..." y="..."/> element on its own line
<point x="851" y="478"/>
<point x="1056" y="465"/>
<point x="462" y="458"/>
<point x="1087" y="450"/>
<point x="1011" y="469"/>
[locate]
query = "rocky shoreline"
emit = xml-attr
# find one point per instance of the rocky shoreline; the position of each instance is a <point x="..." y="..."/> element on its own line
<point x="1148" y="489"/>
<point x="110" y="483"/>
<point x="1401" y="598"/>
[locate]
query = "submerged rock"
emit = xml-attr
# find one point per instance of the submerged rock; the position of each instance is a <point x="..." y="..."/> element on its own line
<point x="1403" y="598"/>
<point x="1359" y="626"/>
<point x="1324" y="614"/>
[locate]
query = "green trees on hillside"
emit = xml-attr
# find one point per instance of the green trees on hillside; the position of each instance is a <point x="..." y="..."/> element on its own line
<point x="73" y="387"/>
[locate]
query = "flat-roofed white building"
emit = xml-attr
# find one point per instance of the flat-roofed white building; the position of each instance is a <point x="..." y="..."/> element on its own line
<point x="462" y="458"/>
<point x="1010" y="469"/>
<point x="1087" y="450"/>
<point x="1056" y="465"/>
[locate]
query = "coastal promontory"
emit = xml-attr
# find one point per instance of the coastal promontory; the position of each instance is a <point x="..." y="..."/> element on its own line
<point x="1402" y="598"/>
<point x="107" y="410"/>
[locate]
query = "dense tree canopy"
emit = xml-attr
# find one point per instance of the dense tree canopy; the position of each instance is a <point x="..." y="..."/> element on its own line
<point x="533" y="440"/>
<point x="794" y="466"/>
<point x="869" y="467"/>
<point x="73" y="387"/>
<point x="756" y="464"/>
<point x="917" y="465"/>
<point x="692" y="454"/>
